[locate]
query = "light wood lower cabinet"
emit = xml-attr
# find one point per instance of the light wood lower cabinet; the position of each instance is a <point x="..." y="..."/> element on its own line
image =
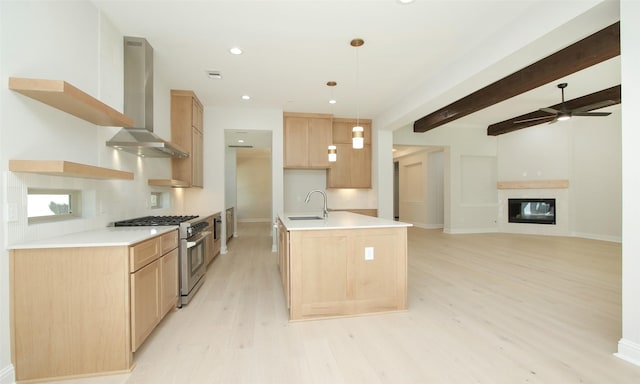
<point x="84" y="311"/>
<point x="283" y="259"/>
<point x="154" y="286"/>
<point x="145" y="302"/>
<point x="169" y="288"/>
<point x="330" y="276"/>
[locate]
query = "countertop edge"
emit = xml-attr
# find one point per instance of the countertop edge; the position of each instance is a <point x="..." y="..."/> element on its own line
<point x="338" y="220"/>
<point x="103" y="237"/>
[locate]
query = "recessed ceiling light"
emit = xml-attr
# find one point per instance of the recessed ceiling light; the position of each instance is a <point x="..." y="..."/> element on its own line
<point x="235" y="51"/>
<point x="240" y="141"/>
<point x="405" y="1"/>
<point x="246" y="97"/>
<point x="332" y="101"/>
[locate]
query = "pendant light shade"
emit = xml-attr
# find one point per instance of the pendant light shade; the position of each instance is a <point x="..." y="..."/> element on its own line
<point x="333" y="153"/>
<point x="357" y="137"/>
<point x="357" y="133"/>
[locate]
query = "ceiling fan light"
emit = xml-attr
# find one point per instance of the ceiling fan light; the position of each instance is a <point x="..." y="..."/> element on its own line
<point x="564" y="117"/>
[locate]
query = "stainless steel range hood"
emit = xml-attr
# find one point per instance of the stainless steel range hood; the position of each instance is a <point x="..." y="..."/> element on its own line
<point x="138" y="104"/>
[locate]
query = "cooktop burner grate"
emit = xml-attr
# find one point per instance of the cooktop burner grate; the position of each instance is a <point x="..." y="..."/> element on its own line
<point x="154" y="220"/>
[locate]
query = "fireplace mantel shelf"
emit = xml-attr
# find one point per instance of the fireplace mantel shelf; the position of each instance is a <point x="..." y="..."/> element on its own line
<point x="534" y="184"/>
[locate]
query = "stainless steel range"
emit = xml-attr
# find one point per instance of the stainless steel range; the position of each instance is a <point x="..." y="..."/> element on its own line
<point x="192" y="232"/>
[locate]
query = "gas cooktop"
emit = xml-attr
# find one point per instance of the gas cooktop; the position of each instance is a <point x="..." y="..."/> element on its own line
<point x="154" y="220"/>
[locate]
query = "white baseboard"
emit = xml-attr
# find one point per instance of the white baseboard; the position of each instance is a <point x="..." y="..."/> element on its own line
<point x="629" y="351"/>
<point x="613" y="239"/>
<point x="7" y="375"/>
<point x="425" y="226"/>
<point x="468" y="231"/>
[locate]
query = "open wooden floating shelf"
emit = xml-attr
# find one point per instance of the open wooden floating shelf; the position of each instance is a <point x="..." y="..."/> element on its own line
<point x="67" y="98"/>
<point x="534" y="184"/>
<point x="168" y="183"/>
<point x="67" y="168"/>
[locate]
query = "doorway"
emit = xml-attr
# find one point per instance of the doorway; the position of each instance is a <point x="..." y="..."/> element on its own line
<point x="248" y="175"/>
<point x="419" y="185"/>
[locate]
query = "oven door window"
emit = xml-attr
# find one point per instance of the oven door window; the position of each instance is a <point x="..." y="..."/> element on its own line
<point x="196" y="257"/>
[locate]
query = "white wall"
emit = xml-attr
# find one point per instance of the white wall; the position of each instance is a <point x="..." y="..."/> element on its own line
<point x="461" y="143"/>
<point x="596" y="177"/>
<point x="421" y="188"/>
<point x="629" y="344"/>
<point x="254" y="186"/>
<point x="586" y="152"/>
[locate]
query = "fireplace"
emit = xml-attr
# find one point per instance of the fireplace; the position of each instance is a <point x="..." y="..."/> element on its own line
<point x="532" y="211"/>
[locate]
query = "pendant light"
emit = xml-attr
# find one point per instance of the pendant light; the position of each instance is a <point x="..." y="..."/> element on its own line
<point x="332" y="150"/>
<point x="333" y="153"/>
<point x="357" y="133"/>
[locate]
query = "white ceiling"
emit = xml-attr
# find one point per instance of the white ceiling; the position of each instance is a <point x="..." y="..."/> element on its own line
<point x="292" y="48"/>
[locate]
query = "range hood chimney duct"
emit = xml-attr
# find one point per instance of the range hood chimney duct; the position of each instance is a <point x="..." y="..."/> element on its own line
<point x="138" y="82"/>
<point x="138" y="104"/>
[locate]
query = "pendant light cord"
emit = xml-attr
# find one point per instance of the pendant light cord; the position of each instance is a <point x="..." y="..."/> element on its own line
<point x="357" y="88"/>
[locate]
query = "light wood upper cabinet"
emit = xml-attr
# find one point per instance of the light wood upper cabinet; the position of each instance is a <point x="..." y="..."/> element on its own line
<point x="342" y="128"/>
<point x="306" y="138"/>
<point x="352" y="169"/>
<point x="187" y="130"/>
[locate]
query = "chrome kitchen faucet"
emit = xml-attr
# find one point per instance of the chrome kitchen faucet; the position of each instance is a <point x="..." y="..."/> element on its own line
<point x="325" y="212"/>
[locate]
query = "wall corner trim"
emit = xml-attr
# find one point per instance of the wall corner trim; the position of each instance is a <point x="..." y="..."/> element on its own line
<point x="7" y="375"/>
<point x="629" y="351"/>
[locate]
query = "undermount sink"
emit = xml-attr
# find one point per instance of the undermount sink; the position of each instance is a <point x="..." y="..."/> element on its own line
<point x="305" y="218"/>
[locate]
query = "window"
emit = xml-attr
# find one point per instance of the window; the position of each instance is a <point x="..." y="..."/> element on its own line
<point x="45" y="205"/>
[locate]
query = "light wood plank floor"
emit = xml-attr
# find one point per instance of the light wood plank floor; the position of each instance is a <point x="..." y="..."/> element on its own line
<point x="485" y="308"/>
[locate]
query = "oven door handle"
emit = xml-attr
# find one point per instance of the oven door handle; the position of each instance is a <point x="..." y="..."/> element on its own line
<point x="201" y="236"/>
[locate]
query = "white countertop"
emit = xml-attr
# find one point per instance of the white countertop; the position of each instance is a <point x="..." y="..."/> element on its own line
<point x="337" y="220"/>
<point x="104" y="237"/>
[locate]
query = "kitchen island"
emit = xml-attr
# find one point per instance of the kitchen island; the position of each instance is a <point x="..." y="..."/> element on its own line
<point x="343" y="265"/>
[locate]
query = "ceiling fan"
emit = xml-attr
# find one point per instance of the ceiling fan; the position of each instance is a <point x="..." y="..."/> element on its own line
<point x="564" y="113"/>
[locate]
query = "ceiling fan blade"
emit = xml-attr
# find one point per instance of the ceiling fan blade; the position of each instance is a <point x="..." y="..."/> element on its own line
<point x="591" y="113"/>
<point x="533" y="119"/>
<point x="591" y="107"/>
<point x="550" y="110"/>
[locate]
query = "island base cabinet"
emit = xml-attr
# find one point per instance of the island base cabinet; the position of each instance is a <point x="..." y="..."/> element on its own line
<point x="283" y="260"/>
<point x="69" y="312"/>
<point x="330" y="276"/>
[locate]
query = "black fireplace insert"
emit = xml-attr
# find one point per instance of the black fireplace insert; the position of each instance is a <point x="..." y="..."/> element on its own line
<point x="532" y="211"/>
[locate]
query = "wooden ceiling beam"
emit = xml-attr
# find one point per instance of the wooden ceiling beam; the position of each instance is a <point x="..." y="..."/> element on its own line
<point x="594" y="49"/>
<point x="506" y="126"/>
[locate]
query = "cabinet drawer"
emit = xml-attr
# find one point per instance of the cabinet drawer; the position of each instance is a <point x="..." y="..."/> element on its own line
<point x="169" y="241"/>
<point x="144" y="253"/>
